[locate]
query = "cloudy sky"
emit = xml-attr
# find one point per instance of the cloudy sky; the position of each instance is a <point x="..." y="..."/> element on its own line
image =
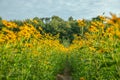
<point x="22" y="9"/>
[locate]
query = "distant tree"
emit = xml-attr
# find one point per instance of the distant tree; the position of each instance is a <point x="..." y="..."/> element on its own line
<point x="74" y="27"/>
<point x="27" y="21"/>
<point x="18" y="22"/>
<point x="36" y="18"/>
<point x="52" y="26"/>
<point x="0" y="18"/>
<point x="47" y="20"/>
<point x="42" y="19"/>
<point x="57" y="18"/>
<point x="40" y="23"/>
<point x="70" y="18"/>
<point x="1" y="25"/>
<point x="96" y="18"/>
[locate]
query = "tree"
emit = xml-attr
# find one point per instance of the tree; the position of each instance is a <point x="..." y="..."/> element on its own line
<point x="70" y="18"/>
<point x="57" y="18"/>
<point x="47" y="20"/>
<point x="1" y="25"/>
<point x="0" y="18"/>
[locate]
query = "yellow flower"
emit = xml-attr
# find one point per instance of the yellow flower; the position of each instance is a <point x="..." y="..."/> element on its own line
<point x="102" y="18"/>
<point x="9" y="24"/>
<point x="114" y="19"/>
<point x="118" y="33"/>
<point x="82" y="78"/>
<point x="35" y="21"/>
<point x="93" y="29"/>
<point x="81" y="23"/>
<point x="92" y="48"/>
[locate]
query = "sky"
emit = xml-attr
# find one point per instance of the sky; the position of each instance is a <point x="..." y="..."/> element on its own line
<point x="78" y="9"/>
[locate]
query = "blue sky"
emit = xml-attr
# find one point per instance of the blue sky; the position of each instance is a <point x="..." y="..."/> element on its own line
<point x="22" y="9"/>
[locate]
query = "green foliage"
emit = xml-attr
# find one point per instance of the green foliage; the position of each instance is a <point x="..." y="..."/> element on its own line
<point x="18" y="22"/>
<point x="24" y="65"/>
<point x="94" y="66"/>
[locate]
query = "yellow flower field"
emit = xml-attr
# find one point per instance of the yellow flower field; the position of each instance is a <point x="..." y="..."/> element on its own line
<point x="29" y="51"/>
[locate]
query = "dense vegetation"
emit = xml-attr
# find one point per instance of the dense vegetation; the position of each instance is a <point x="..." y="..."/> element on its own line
<point x="37" y="49"/>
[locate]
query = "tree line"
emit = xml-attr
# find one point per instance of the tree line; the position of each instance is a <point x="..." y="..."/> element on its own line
<point x="56" y="25"/>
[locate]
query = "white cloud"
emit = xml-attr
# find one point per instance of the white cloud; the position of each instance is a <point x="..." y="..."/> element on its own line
<point x="65" y="8"/>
